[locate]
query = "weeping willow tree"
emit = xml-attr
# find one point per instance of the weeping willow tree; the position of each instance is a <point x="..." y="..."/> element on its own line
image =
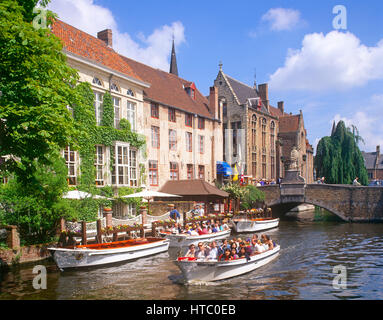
<point x="338" y="157"/>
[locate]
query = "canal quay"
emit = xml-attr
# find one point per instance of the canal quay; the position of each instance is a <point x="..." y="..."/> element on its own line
<point x="311" y="246"/>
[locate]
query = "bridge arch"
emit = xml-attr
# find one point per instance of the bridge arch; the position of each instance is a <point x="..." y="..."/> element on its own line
<point x="281" y="207"/>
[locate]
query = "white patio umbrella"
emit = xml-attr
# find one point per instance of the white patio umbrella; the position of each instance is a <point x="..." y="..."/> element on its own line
<point x="149" y="195"/>
<point x="79" y="195"/>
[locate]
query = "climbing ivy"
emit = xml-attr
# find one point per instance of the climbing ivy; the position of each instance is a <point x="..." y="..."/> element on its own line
<point x="90" y="135"/>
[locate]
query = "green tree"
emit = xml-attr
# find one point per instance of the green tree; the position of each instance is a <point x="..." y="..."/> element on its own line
<point x="338" y="157"/>
<point x="252" y="197"/>
<point x="36" y="87"/>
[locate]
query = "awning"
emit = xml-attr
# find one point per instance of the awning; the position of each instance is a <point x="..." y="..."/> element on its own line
<point x="224" y="168"/>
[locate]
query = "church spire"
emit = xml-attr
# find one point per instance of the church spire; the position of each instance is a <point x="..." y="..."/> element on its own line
<point x="173" y="61"/>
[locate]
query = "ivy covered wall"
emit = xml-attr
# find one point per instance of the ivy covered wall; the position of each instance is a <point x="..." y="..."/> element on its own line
<point x="89" y="134"/>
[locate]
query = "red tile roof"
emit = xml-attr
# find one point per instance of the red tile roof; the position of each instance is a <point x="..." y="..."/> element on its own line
<point x="289" y="123"/>
<point x="168" y="89"/>
<point x="91" y="48"/>
<point x="164" y="88"/>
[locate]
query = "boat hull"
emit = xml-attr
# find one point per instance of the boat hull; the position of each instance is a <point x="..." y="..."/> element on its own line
<point x="84" y="257"/>
<point x="254" y="225"/>
<point x="208" y="271"/>
<point x="181" y="240"/>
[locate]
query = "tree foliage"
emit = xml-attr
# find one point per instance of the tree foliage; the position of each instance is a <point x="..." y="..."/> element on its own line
<point x="339" y="158"/>
<point x="36" y="87"/>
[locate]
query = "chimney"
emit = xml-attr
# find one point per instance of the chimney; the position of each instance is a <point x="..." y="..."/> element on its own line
<point x="263" y="90"/>
<point x="281" y="106"/>
<point x="377" y="151"/>
<point x="213" y="103"/>
<point x="106" y="36"/>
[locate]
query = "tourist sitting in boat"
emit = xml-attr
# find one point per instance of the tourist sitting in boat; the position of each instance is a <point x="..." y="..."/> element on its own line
<point x="214" y="228"/>
<point x="269" y="243"/>
<point x="225" y="245"/>
<point x="201" y="252"/>
<point x="233" y="254"/>
<point x="191" y="252"/>
<point x="213" y="251"/>
<point x="234" y="246"/>
<point x="243" y="254"/>
<point x="225" y="256"/>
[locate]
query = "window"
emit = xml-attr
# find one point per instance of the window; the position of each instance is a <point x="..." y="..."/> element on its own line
<point x="99" y="164"/>
<point x="189" y="145"/>
<point x="190" y="173"/>
<point x="224" y="109"/>
<point x="236" y="126"/>
<point x="172" y="140"/>
<point x="133" y="182"/>
<point x="188" y="120"/>
<point x="114" y="87"/>
<point x="201" y="172"/>
<point x="120" y="168"/>
<point x="97" y="81"/>
<point x="191" y="92"/>
<point x="254" y="164"/>
<point x="131" y="115"/>
<point x="155" y="137"/>
<point x="154" y="111"/>
<point x="98" y="107"/>
<point x="264" y="167"/>
<point x="130" y="92"/>
<point x="201" y="144"/>
<point x="263" y="133"/>
<point x="71" y="162"/>
<point x="153" y="173"/>
<point x="272" y="136"/>
<point x="272" y="167"/>
<point x="116" y="105"/>
<point x="201" y="123"/>
<point x="174" y="173"/>
<point x="254" y="132"/>
<point x="172" y="114"/>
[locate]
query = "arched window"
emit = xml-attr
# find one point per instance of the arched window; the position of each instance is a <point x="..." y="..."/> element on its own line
<point x="254" y="132"/>
<point x="97" y="81"/>
<point x="263" y="135"/>
<point x="114" y="87"/>
<point x="272" y="137"/>
<point x="130" y="92"/>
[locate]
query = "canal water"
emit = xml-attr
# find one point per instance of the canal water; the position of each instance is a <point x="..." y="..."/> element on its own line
<point x="304" y="269"/>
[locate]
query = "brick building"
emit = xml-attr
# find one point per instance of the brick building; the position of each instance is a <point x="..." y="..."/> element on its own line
<point x="374" y="164"/>
<point x="183" y="129"/>
<point x="257" y="134"/>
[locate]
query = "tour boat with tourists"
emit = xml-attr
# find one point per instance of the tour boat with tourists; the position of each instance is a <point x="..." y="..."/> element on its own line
<point x="254" y="221"/>
<point x="179" y="240"/>
<point x="195" y="270"/>
<point x="106" y="253"/>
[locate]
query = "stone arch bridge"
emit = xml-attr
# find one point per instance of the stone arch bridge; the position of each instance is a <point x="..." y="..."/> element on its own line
<point x="350" y="203"/>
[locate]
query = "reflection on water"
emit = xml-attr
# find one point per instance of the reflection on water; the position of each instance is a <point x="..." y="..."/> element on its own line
<point x="303" y="270"/>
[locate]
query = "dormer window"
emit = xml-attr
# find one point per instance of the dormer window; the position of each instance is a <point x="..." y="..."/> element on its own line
<point x="130" y="92"/>
<point x="190" y="89"/>
<point x="97" y="81"/>
<point x="114" y="87"/>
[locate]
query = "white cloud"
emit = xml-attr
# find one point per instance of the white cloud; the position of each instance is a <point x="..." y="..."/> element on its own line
<point x="153" y="49"/>
<point x="282" y="19"/>
<point x="335" y="61"/>
<point x="369" y="126"/>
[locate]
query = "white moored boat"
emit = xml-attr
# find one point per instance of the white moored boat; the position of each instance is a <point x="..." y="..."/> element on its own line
<point x="184" y="240"/>
<point x="106" y="253"/>
<point x="254" y="225"/>
<point x="195" y="270"/>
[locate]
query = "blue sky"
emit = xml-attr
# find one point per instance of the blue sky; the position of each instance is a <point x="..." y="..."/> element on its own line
<point x="328" y="74"/>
